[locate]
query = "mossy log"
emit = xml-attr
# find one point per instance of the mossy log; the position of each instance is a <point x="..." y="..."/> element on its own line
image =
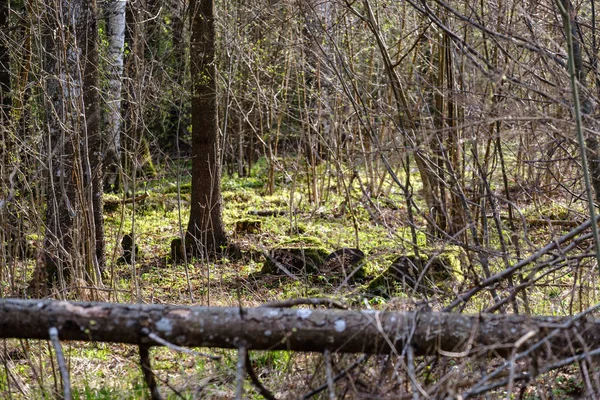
<point x="428" y="274"/>
<point x="345" y="264"/>
<point x="296" y="260"/>
<point x="112" y="204"/>
<point x="243" y="226"/>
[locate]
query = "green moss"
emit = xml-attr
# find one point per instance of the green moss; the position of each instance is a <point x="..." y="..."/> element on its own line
<point x="303" y="241"/>
<point x="183" y="188"/>
<point x="248" y="225"/>
<point x="428" y="274"/>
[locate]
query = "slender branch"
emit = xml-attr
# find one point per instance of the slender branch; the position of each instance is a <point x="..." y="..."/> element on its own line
<point x="62" y="365"/>
<point x="339" y="376"/>
<point x="266" y="393"/>
<point x="172" y="346"/>
<point x="148" y="373"/>
<point x="241" y="368"/>
<point x="329" y="303"/>
<point x="329" y="374"/>
<point x="463" y="298"/>
<point x="565" y="9"/>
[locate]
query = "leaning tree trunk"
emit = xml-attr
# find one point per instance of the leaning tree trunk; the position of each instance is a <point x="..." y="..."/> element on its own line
<point x="206" y="232"/>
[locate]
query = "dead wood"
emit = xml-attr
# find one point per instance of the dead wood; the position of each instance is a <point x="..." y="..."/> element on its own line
<point x="310" y="330"/>
<point x="111" y="205"/>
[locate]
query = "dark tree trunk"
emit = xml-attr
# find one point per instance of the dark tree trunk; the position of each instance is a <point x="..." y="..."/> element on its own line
<point x="74" y="230"/>
<point x="5" y="96"/>
<point x="93" y="152"/>
<point x="206" y="232"/>
<point x="61" y="202"/>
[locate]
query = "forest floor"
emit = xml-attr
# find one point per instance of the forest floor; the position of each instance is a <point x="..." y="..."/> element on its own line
<point x="375" y="225"/>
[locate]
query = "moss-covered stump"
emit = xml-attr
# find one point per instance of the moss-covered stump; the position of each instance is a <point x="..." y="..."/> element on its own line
<point x="428" y="275"/>
<point x="300" y="260"/>
<point x="342" y="265"/>
<point x="244" y="226"/>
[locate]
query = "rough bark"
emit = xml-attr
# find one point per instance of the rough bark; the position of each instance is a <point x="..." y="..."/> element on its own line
<point x="93" y="153"/>
<point x="307" y="330"/>
<point x="206" y="232"/>
<point x="133" y="99"/>
<point x="74" y="225"/>
<point x="62" y="203"/>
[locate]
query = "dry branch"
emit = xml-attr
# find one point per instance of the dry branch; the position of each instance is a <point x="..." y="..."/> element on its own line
<point x="313" y="330"/>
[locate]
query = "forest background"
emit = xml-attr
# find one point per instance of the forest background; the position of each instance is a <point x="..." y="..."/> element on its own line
<point x="428" y="155"/>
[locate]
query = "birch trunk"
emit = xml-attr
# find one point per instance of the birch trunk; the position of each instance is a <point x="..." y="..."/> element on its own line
<point x="115" y="13"/>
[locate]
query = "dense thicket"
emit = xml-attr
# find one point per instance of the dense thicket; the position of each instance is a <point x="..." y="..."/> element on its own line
<point x="462" y="126"/>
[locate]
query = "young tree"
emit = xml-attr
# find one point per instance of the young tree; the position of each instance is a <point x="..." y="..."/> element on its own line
<point x="206" y="232"/>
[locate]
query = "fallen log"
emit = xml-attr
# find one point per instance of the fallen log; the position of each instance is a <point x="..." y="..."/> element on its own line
<point x="111" y="204"/>
<point x="310" y="330"/>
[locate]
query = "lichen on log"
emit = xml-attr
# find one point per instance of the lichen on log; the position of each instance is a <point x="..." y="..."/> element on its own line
<point x="309" y="330"/>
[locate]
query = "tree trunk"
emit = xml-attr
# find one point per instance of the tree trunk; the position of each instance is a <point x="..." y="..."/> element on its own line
<point x="316" y="330"/>
<point x="5" y="96"/>
<point x="93" y="155"/>
<point x="206" y="232"/>
<point x="74" y="226"/>
<point x="112" y="137"/>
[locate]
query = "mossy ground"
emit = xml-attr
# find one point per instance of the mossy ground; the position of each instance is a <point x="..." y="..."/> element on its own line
<point x="103" y="371"/>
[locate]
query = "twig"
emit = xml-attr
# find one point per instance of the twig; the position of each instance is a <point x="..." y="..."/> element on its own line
<point x="463" y="298"/>
<point x="241" y="368"/>
<point x="148" y="373"/>
<point x="267" y="213"/>
<point x="410" y="360"/>
<point x="478" y="389"/>
<point x="266" y="393"/>
<point x="161" y="341"/>
<point x="9" y="365"/>
<point x="279" y="265"/>
<point x="62" y="365"/>
<point x="329" y="374"/>
<point x="329" y="303"/>
<point x="527" y="376"/>
<point x="11" y="191"/>
<point x="339" y="376"/>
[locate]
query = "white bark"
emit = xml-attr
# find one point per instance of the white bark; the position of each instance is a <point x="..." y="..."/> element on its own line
<point x="115" y="11"/>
